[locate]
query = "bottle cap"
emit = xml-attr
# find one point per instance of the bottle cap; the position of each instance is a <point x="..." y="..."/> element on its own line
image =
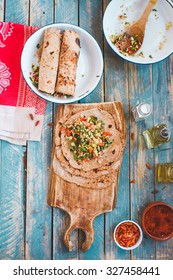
<point x="165" y="133"/>
<point x="145" y="109"/>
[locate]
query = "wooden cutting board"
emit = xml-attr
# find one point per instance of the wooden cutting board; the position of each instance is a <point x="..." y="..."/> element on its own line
<point x="84" y="204"/>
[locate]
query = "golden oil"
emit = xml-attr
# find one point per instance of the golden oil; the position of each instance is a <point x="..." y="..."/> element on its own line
<point x="165" y="172"/>
<point x="156" y="136"/>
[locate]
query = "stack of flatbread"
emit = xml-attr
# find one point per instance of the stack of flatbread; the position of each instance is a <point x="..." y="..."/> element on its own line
<point x="58" y="63"/>
<point x="95" y="173"/>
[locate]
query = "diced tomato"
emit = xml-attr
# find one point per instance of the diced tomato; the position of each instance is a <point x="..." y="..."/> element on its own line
<point x="85" y="159"/>
<point x="95" y="156"/>
<point x="63" y="128"/>
<point x="90" y="149"/>
<point x="83" y="119"/>
<point x="88" y="124"/>
<point x="107" y="133"/>
<point x="68" y="132"/>
<point x="101" y="144"/>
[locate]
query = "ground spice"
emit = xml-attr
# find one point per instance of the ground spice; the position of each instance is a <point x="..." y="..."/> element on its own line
<point x="127" y="234"/>
<point x="159" y="221"/>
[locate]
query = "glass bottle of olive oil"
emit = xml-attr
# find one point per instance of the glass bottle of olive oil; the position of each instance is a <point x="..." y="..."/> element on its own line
<point x="156" y="136"/>
<point x="165" y="172"/>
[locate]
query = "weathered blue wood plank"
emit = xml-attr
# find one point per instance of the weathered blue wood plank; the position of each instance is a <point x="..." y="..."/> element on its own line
<point x="90" y="18"/>
<point x="65" y="11"/>
<point x="41" y="12"/>
<point x="163" y="109"/>
<point x="38" y="213"/>
<point x="116" y="84"/>
<point x="116" y="88"/>
<point x="1" y="10"/>
<point x="17" y="11"/>
<point x="140" y="90"/>
<point x="12" y="202"/>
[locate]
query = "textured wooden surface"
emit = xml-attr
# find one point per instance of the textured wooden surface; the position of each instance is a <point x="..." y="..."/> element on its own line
<point x="84" y="203"/>
<point x="29" y="228"/>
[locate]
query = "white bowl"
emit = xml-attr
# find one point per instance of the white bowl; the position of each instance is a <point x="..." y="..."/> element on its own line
<point x="157" y="43"/>
<point x="137" y="243"/>
<point x="90" y="64"/>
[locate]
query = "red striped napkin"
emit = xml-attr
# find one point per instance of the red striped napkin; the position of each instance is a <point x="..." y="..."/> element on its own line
<point x="21" y="110"/>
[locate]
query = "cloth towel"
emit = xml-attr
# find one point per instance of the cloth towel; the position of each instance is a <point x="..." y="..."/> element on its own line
<point x="21" y="110"/>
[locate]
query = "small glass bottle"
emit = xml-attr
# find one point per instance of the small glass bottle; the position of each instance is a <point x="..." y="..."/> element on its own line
<point x="165" y="172"/>
<point x="156" y="136"/>
<point x="141" y="111"/>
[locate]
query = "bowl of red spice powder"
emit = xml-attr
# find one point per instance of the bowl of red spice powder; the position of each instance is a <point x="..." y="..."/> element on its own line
<point x="157" y="220"/>
<point x="128" y="235"/>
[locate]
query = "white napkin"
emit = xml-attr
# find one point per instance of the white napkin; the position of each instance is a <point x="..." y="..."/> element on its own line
<point x="19" y="124"/>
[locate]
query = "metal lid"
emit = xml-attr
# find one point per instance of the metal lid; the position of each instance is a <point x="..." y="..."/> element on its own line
<point x="145" y="109"/>
<point x="165" y="133"/>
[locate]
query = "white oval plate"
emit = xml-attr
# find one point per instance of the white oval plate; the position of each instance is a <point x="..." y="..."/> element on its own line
<point x="89" y="69"/>
<point x="158" y="40"/>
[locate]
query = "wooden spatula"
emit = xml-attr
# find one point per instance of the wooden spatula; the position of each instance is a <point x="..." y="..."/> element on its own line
<point x="139" y="26"/>
<point x="132" y="39"/>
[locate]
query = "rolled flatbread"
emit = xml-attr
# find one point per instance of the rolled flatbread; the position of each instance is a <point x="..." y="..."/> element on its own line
<point x="49" y="60"/>
<point x="69" y="54"/>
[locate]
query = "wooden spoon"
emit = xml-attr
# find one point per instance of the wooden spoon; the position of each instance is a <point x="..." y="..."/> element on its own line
<point x="131" y="41"/>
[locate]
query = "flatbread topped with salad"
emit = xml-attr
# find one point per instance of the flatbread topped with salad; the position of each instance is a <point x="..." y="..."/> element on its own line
<point x="89" y="139"/>
<point x="88" y="148"/>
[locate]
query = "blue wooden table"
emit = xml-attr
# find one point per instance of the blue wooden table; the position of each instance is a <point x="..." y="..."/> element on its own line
<point x="29" y="228"/>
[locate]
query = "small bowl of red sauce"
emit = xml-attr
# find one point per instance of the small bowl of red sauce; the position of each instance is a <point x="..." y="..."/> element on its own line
<point x="157" y="220"/>
<point x="128" y="235"/>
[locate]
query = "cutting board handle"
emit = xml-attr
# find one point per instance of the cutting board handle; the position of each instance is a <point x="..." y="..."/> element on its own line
<point x="80" y="222"/>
